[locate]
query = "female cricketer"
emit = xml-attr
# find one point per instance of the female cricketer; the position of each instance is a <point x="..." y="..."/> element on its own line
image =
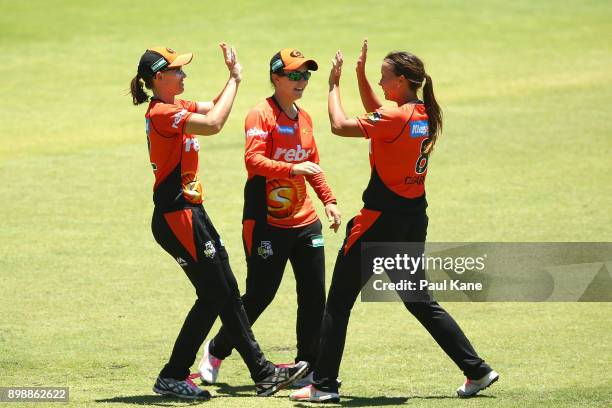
<point x="279" y="220"/>
<point x="401" y="140"/>
<point x="182" y="227"/>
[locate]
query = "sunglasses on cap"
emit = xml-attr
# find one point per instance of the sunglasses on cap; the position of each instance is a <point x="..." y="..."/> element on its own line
<point x="296" y="75"/>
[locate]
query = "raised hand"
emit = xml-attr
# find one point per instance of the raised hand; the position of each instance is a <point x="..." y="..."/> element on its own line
<point x="231" y="61"/>
<point x="336" y="70"/>
<point x="361" y="61"/>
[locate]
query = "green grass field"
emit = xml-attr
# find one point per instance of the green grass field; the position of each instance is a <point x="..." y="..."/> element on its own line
<point x="89" y="301"/>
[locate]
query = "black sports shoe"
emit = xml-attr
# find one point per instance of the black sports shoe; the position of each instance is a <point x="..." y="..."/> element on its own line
<point x="282" y="377"/>
<point x="182" y="389"/>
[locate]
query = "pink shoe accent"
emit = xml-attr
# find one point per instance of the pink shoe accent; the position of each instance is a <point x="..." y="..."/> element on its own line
<point x="214" y="361"/>
<point x="190" y="381"/>
<point x="304" y="392"/>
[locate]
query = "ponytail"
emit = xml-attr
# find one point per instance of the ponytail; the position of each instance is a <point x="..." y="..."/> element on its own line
<point x="137" y="90"/>
<point x="434" y="113"/>
<point x="412" y="68"/>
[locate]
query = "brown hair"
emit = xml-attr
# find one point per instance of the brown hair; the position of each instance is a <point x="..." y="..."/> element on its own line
<point x="136" y="89"/>
<point x="413" y="69"/>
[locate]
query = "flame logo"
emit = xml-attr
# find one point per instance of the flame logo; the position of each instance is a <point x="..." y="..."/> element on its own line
<point x="282" y="197"/>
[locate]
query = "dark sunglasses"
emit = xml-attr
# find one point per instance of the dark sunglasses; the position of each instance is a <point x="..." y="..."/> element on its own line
<point x="297" y="75"/>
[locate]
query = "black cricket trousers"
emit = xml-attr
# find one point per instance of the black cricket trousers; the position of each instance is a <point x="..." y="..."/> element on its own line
<point x="189" y="236"/>
<point x="267" y="249"/>
<point x="347" y="281"/>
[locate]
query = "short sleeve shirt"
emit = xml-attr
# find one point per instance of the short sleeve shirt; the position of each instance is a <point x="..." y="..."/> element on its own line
<point x="173" y="154"/>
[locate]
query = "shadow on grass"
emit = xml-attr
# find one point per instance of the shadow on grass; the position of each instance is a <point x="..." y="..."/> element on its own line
<point x="226" y="390"/>
<point x="221" y="390"/>
<point x="353" y="401"/>
<point x="156" y="400"/>
<point x="350" y="401"/>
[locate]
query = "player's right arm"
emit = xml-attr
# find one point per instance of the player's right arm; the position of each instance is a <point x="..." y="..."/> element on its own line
<point x="368" y="98"/>
<point x="213" y="121"/>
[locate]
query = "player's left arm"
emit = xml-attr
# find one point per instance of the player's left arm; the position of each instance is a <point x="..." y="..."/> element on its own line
<point x="368" y="98"/>
<point x="203" y="107"/>
<point x="318" y="181"/>
<point x="206" y="106"/>
<point x="324" y="192"/>
<point x="340" y="124"/>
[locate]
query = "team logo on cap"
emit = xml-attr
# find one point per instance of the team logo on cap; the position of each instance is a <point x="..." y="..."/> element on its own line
<point x="296" y="54"/>
<point x="277" y="64"/>
<point x="159" y="64"/>
<point x="170" y="50"/>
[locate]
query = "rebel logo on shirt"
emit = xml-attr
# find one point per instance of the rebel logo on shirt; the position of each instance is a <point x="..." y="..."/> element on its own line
<point x="291" y="155"/>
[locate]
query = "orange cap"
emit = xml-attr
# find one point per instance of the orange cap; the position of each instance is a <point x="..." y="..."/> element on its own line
<point x="291" y="59"/>
<point x="174" y="59"/>
<point x="158" y="58"/>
